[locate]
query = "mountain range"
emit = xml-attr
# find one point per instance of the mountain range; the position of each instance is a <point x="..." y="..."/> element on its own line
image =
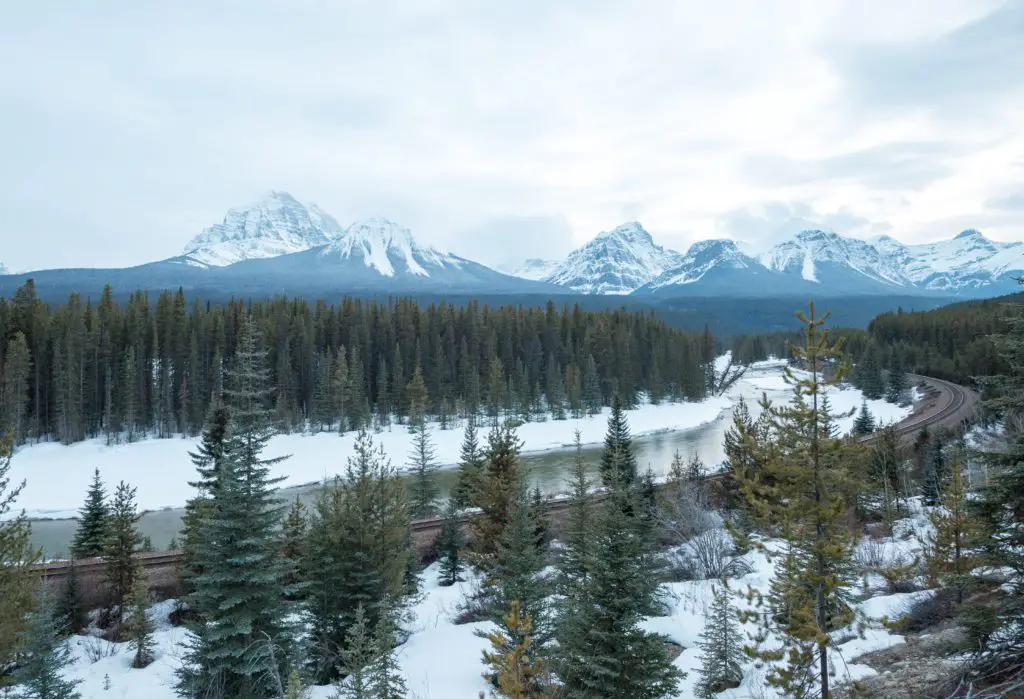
<point x="279" y="245"/>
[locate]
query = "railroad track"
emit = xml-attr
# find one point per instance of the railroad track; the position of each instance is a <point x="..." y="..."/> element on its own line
<point x="954" y="405"/>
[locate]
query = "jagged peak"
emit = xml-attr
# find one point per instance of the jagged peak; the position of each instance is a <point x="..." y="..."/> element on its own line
<point x="969" y="233"/>
<point x="631" y="230"/>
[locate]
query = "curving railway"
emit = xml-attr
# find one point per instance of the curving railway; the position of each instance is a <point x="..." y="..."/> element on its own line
<point x="943" y="404"/>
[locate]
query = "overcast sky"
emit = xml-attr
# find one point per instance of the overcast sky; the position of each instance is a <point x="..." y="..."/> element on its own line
<point x="503" y="130"/>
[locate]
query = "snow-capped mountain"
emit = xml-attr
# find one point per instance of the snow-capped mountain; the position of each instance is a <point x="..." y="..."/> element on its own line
<point x="387" y="248"/>
<point x="276" y="224"/>
<point x="808" y="261"/>
<point x="706" y="261"/>
<point x="615" y="262"/>
<point x="534" y="269"/>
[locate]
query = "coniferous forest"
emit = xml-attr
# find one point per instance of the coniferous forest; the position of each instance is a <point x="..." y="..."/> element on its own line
<point x="149" y="367"/>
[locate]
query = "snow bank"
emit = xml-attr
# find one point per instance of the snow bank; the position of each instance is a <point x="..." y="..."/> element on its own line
<point x="57" y="476"/>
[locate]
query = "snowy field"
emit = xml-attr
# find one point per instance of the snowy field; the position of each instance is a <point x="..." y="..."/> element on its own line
<point x="442" y="660"/>
<point x="57" y="476"/>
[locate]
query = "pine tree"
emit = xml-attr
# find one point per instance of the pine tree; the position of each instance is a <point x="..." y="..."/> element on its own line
<point x="898" y="389"/>
<point x="45" y="654"/>
<point x="416" y="395"/>
<point x="17" y="580"/>
<point x="802" y="496"/>
<point x="449" y="545"/>
<point x="618" y="461"/>
<point x="948" y="555"/>
<point x="358" y="553"/>
<point x="539" y="517"/>
<point x="91" y="535"/>
<point x="339" y="384"/>
<point x="934" y="469"/>
<point x="295" y="689"/>
<point x="865" y="422"/>
<point x="239" y="593"/>
<point x="357" y="406"/>
<point x="515" y="667"/>
<point x="592" y="397"/>
<point x="139" y="625"/>
<point x="72" y="607"/>
<point x="14" y="387"/>
<point x="498" y="490"/>
<point x="357" y="657"/>
<point x="385" y="680"/>
<point x="123" y="539"/>
<point x="610" y="655"/>
<point x="721" y="648"/>
<point x="293" y="540"/>
<point x="513" y="573"/>
<point x="423" y="487"/>
<point x="471" y="467"/>
<point x="886" y="474"/>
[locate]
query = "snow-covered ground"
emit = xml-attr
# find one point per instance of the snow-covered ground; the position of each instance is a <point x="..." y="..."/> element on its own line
<point x="57" y="476"/>
<point x="442" y="660"/>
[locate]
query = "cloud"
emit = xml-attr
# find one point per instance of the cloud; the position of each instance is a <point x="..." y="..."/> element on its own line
<point x="766" y="223"/>
<point x="1007" y="202"/>
<point x="128" y="128"/>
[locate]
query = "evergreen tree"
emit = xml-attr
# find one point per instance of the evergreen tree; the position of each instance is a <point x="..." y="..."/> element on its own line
<point x="898" y="389"/>
<point x="539" y="517"/>
<point x="416" y="395"/>
<point x="513" y="573"/>
<point x="357" y="406"/>
<point x="721" y="648"/>
<point x="865" y="422"/>
<point x="592" y="397"/>
<point x="139" y="625"/>
<point x="868" y="377"/>
<point x="886" y="474"/>
<point x="356" y="659"/>
<point x="498" y="490"/>
<point x="17" y="580"/>
<point x="295" y="689"/>
<point x="803" y="497"/>
<point x="423" y="487"/>
<point x="618" y="461"/>
<point x="515" y="667"/>
<point x="123" y="539"/>
<point x="385" y="680"/>
<point x="948" y="555"/>
<point x="239" y="593"/>
<point x="14" y="387"/>
<point x="340" y="388"/>
<point x="611" y="655"/>
<point x="293" y="540"/>
<point x="358" y="554"/>
<point x="471" y="467"/>
<point x="209" y="459"/>
<point x="555" y="389"/>
<point x="45" y="654"/>
<point x="72" y="607"/>
<point x="449" y="545"/>
<point x="91" y="534"/>
<point x="934" y="469"/>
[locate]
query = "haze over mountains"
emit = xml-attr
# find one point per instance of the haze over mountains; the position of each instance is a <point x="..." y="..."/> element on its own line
<point x="278" y="244"/>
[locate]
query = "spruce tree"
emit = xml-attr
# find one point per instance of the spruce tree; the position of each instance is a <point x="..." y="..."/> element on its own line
<point x="721" y="648"/>
<point x="295" y="688"/>
<point x="357" y="657"/>
<point x="293" y="540"/>
<point x="592" y="397"/>
<point x="513" y="573"/>
<point x="416" y="395"/>
<point x="803" y="497"/>
<point x="498" y="490"/>
<point x="384" y="677"/>
<point x="45" y="654"/>
<point x="618" y="461"/>
<point x="139" y="625"/>
<point x="898" y="387"/>
<point x="865" y="422"/>
<point x="91" y="534"/>
<point x="358" y="553"/>
<point x="17" y="580"/>
<point x="239" y="591"/>
<point x="423" y="487"/>
<point x="612" y="656"/>
<point x="72" y="607"/>
<point x="934" y="469"/>
<point x="885" y="476"/>
<point x="209" y="459"/>
<point x="449" y="545"/>
<point x="471" y="467"/>
<point x="948" y="553"/>
<point x="123" y="540"/>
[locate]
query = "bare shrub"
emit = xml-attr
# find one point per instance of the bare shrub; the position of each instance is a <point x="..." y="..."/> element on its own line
<point x="710" y="554"/>
<point x="96" y="648"/>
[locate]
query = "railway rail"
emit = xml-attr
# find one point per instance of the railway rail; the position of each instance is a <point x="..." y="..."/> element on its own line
<point x="945" y="404"/>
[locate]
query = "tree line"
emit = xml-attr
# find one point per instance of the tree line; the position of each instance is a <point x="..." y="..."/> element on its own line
<point x="85" y="369"/>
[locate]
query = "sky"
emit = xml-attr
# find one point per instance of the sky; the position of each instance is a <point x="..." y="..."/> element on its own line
<point x="506" y="130"/>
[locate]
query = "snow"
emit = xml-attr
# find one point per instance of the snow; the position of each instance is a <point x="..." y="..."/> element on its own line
<point x="808" y="268"/>
<point x="378" y="241"/>
<point x="533" y="269"/>
<point x="57" y="476"/>
<point x="615" y="262"/>
<point x="276" y="224"/>
<point x="441" y="659"/>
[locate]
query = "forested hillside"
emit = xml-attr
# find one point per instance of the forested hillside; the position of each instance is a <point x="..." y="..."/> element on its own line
<point x="151" y="365"/>
<point x="953" y="342"/>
